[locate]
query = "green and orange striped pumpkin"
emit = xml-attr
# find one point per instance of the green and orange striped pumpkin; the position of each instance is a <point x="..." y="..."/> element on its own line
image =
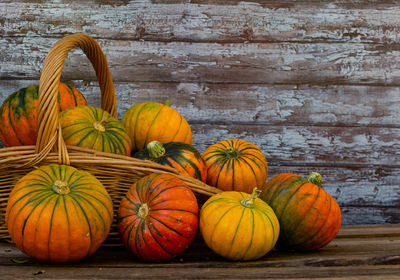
<point x="57" y="213"/>
<point x="238" y="226"/>
<point x="309" y="217"/>
<point x="94" y="128"/>
<point x="235" y="165"/>
<point x="149" y="121"/>
<point x="18" y="113"/>
<point x="158" y="217"/>
<point x="181" y="156"/>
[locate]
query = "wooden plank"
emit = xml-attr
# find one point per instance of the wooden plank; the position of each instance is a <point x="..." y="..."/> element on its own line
<point x="255" y="63"/>
<point x="203" y="21"/>
<point x="335" y="105"/>
<point x="352" y="255"/>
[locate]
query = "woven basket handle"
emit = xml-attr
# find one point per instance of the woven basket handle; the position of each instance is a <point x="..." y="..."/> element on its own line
<point x="49" y="131"/>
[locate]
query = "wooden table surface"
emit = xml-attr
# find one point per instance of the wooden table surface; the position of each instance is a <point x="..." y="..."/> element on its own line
<point x="358" y="252"/>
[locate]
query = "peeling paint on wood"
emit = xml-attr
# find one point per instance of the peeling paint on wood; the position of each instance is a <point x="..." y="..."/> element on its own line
<point x="259" y="63"/>
<point x="315" y="84"/>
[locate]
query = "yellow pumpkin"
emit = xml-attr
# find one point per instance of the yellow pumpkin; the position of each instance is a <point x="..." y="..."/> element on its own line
<point x="238" y="226"/>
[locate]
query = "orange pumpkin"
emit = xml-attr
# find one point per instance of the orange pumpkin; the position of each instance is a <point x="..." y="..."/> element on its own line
<point x="57" y="213"/>
<point x="18" y="113"/>
<point x="235" y="165"/>
<point x="309" y="217"/>
<point x="149" y="121"/>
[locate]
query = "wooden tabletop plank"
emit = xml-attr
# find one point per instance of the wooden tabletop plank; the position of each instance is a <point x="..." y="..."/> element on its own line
<point x="358" y="252"/>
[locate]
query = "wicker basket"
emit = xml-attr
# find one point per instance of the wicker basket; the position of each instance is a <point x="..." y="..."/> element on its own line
<point x="116" y="172"/>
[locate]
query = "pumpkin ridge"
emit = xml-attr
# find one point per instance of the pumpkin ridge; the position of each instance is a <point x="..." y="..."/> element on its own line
<point x="299" y="226"/>
<point x="252" y="235"/>
<point x="12" y="125"/>
<point x="89" y="202"/>
<point x="51" y="225"/>
<point x="137" y="237"/>
<point x="249" y="165"/>
<point x="220" y="218"/>
<point x="279" y="189"/>
<point x="320" y="228"/>
<point x="156" y="240"/>
<point x="129" y="226"/>
<point x="180" y="158"/>
<point x="170" y="209"/>
<point x="136" y="123"/>
<point x="98" y="200"/>
<point x="50" y="197"/>
<point x="87" y="221"/>
<point x="29" y="201"/>
<point x="282" y="212"/>
<point x="30" y="213"/>
<point x="179" y="128"/>
<point x="237" y="229"/>
<point x="116" y="138"/>
<point x="154" y="196"/>
<point x="151" y="124"/>
<point x="262" y="216"/>
<point x="68" y="222"/>
<point x="275" y="236"/>
<point x="165" y="225"/>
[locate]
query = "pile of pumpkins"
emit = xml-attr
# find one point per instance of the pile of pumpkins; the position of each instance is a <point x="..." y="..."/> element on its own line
<point x="57" y="213"/>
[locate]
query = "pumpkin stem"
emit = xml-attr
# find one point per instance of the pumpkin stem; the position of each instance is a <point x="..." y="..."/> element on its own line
<point x="99" y="124"/>
<point x="315" y="178"/>
<point x="232" y="152"/>
<point x="167" y="103"/>
<point x="143" y="211"/>
<point x="155" y="149"/>
<point x="61" y="187"/>
<point x="249" y="201"/>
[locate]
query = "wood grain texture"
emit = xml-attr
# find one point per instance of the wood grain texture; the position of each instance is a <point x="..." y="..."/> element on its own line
<point x="315" y="84"/>
<point x="255" y="63"/>
<point x="208" y="21"/>
<point x="356" y="253"/>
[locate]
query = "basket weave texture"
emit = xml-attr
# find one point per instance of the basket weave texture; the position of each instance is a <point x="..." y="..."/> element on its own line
<point x="116" y="172"/>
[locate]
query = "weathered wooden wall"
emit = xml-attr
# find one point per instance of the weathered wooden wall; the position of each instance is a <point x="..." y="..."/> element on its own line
<point x="315" y="84"/>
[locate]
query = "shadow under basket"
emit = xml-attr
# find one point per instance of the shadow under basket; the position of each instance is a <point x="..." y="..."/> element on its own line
<point x="116" y="172"/>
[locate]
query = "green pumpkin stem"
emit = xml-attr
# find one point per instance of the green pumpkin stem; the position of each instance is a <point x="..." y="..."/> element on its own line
<point x="143" y="211"/>
<point x="61" y="187"/>
<point x="249" y="201"/>
<point x="315" y="178"/>
<point x="99" y="124"/>
<point x="232" y="152"/>
<point x="155" y="149"/>
<point x="167" y="103"/>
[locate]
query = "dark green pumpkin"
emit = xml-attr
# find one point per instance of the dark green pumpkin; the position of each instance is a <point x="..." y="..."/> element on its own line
<point x="181" y="156"/>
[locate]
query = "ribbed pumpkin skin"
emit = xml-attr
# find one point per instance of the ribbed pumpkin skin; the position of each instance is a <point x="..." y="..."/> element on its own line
<point x="310" y="218"/>
<point x="55" y="227"/>
<point x="78" y="129"/>
<point x="18" y="113"/>
<point x="171" y="223"/>
<point x="149" y="121"/>
<point x="242" y="172"/>
<point x="181" y="156"/>
<point x="235" y="231"/>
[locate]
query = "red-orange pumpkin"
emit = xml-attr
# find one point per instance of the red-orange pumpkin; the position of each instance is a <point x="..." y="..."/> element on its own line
<point x="158" y="217"/>
<point x="18" y="113"/>
<point x="309" y="217"/>
<point x="235" y="165"/>
<point x="57" y="213"/>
